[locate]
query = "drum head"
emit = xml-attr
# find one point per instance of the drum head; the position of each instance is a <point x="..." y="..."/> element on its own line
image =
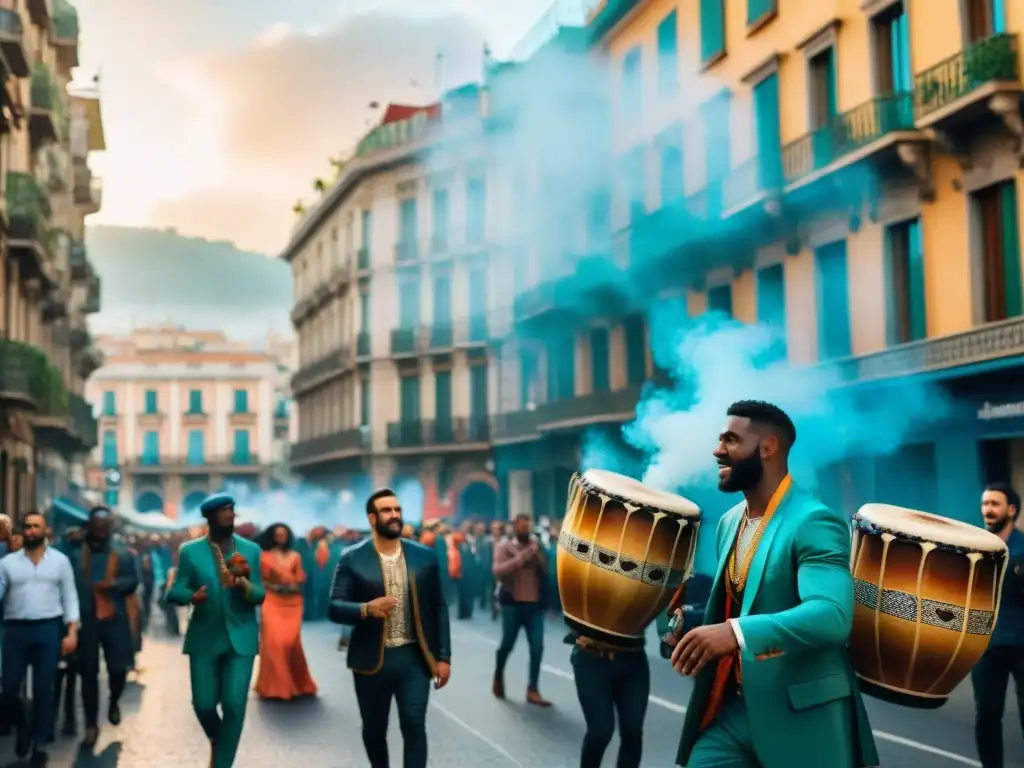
<point x="627" y="489"/>
<point x="924" y="526"/>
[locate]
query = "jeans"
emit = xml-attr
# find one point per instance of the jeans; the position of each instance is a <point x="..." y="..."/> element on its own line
<point x="33" y="644"/>
<point x="529" y="617"/>
<point x="990" y="677"/>
<point x="405" y="678"/>
<point x="610" y="687"/>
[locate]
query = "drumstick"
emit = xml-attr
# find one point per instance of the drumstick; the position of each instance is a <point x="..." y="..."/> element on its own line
<point x="677" y="599"/>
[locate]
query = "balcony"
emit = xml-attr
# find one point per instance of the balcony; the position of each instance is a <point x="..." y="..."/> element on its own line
<point x="87" y="188"/>
<point x="18" y="363"/>
<point x="323" y="370"/>
<point x="28" y="209"/>
<point x="244" y="418"/>
<point x="12" y="42"/>
<point x="79" y="339"/>
<point x="41" y="12"/>
<point x="975" y="74"/>
<point x="52" y="421"/>
<point x="84" y="423"/>
<point x="409" y="434"/>
<point x="195" y="418"/>
<point x="89" y="361"/>
<point x="196" y="464"/>
<point x="869" y="131"/>
<point x="750" y="183"/>
<point x="337" y="445"/>
<point x="65" y="34"/>
<point x="363" y="350"/>
<point x="472" y="332"/>
<point x="514" y="426"/>
<point x="340" y="278"/>
<point x="441" y="337"/>
<point x="363" y="259"/>
<point x="407" y="252"/>
<point x="92" y="296"/>
<point x="55" y="307"/>
<point x="404" y="342"/>
<point x="78" y="261"/>
<point x="149" y="418"/>
<point x="585" y="410"/>
<point x="46" y="107"/>
<point x="439" y="245"/>
<point x="302" y="309"/>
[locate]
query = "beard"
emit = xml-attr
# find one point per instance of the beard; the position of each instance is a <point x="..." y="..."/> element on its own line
<point x="744" y="473"/>
<point x="1000" y="525"/>
<point x="32" y="542"/>
<point x="221" y="532"/>
<point x="390" y="529"/>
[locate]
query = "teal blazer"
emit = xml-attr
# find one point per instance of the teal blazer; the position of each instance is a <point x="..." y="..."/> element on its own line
<point x="803" y="703"/>
<point x="227" y="614"/>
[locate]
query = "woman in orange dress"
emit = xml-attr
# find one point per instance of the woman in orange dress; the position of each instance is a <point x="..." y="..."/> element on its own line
<point x="284" y="673"/>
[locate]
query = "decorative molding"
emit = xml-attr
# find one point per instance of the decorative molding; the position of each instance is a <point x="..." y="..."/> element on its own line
<point x="1008" y="108"/>
<point x="914" y="155"/>
<point x="765" y="69"/>
<point x="825" y="37"/>
<point x="875" y="7"/>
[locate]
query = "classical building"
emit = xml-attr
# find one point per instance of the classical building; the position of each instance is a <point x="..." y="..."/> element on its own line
<point x="49" y="285"/>
<point x="392" y="289"/>
<point x="183" y="414"/>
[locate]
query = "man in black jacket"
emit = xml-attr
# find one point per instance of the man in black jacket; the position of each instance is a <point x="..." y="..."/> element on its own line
<point x="389" y="589"/>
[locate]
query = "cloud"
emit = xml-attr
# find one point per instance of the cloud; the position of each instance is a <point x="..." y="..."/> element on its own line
<point x="280" y="108"/>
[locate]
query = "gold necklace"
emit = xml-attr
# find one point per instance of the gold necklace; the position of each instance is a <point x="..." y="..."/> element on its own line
<point x="739" y="575"/>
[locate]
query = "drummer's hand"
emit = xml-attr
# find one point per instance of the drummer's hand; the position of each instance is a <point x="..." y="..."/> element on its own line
<point x="702" y="645"/>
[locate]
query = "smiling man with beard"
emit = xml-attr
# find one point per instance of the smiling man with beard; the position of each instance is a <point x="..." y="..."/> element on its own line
<point x="389" y="589"/>
<point x="777" y="621"/>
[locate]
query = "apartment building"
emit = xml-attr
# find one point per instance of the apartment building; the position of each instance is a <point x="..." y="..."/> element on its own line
<point x="848" y="173"/>
<point x="183" y="414"/>
<point x="392" y="289"/>
<point x="49" y="285"/>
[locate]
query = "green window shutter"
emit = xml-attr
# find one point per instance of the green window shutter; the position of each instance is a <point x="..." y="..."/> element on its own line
<point x="1011" y="249"/>
<point x="915" y="275"/>
<point x="600" y="368"/>
<point x="712" y="29"/>
<point x="443" y="398"/>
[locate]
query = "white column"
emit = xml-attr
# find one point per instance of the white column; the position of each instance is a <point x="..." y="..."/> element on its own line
<point x="174" y="411"/>
<point x="131" y="420"/>
<point x="221" y="408"/>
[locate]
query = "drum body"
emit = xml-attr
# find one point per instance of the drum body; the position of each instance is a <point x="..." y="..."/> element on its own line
<point x="623" y="550"/>
<point x="926" y="596"/>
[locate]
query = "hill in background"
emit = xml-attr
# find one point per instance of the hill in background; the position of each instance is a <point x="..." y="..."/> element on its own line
<point x="158" y="276"/>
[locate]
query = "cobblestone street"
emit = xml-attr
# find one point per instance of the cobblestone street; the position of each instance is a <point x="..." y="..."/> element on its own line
<point x="467" y="726"/>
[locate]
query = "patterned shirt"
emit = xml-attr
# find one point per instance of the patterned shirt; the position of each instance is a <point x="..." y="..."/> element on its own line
<point x="398" y="627"/>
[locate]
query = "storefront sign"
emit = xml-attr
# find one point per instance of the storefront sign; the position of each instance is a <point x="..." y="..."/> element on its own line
<point x="989" y="412"/>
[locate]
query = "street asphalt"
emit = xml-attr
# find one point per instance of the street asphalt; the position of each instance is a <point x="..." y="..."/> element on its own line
<point x="466" y="725"/>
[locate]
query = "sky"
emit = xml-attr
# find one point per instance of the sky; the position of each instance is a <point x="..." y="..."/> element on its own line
<point x="219" y="115"/>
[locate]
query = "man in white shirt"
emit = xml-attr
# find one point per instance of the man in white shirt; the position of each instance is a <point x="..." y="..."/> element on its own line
<point x="37" y="587"/>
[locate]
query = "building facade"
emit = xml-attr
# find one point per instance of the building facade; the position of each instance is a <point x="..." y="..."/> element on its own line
<point x="48" y="284"/>
<point x="846" y="173"/>
<point x="392" y="289"/>
<point x="183" y="414"/>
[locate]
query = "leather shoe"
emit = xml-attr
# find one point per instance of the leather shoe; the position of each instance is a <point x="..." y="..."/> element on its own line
<point x="114" y="713"/>
<point x="498" y="688"/>
<point x="534" y="697"/>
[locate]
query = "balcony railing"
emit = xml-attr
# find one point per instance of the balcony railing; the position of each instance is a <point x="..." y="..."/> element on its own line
<point x="363" y="344"/>
<point x="43" y="91"/>
<point x="363" y="259"/>
<point x="404" y="341"/>
<point x="846" y="133"/>
<point x="18" y="370"/>
<point x="333" y="363"/>
<point x="344" y="442"/>
<point x="84" y="423"/>
<point x="65" y="22"/>
<point x="28" y="208"/>
<point x="475" y="330"/>
<point x="93" y="296"/>
<point x="441" y="335"/>
<point x="12" y="41"/>
<point x="78" y="261"/>
<point x="195" y="462"/>
<point x="588" y="408"/>
<point x="407" y="251"/>
<point x="993" y="59"/>
<point x="438" y="244"/>
<point x="514" y="425"/>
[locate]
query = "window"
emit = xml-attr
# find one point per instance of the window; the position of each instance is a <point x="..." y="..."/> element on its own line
<point x="196" y="448"/>
<point x="364" y="403"/>
<point x="904" y="283"/>
<point x="195" y="401"/>
<point x="635" y="336"/>
<point x="527" y="378"/>
<point x="996" y="213"/>
<point x="985" y="18"/>
<point x="407" y="221"/>
<point x="364" y="312"/>
<point x="715" y="116"/>
<point x="241" y="401"/>
<point x="443" y="400"/>
<point x="767" y="129"/>
<point x="757" y="10"/>
<point x="109" y="449"/>
<point x="439" y="228"/>
<point x="150" y="401"/>
<point x="824" y="108"/>
<point x="771" y="305"/>
<point x="366" y="230"/>
<point x="600" y="363"/>
<point x="109" y="403"/>
<point x="720" y="299"/>
<point x="408" y="302"/>
<point x="632" y="99"/>
<point x="151" y="447"/>
<point x="478" y="293"/>
<point x="561" y="358"/>
<point x="891" y="34"/>
<point x="478" y="389"/>
<point x="442" y="301"/>
<point x="833" y="296"/>
<point x="242" y="454"/>
<point x="668" y="55"/>
<point x="671" y="166"/>
<point x="476" y="211"/>
<point x="712" y="30"/>
<point x="409" y="398"/>
<point x="636" y="184"/>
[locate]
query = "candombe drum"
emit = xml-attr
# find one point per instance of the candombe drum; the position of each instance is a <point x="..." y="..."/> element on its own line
<point x="926" y="597"/>
<point x="623" y="551"/>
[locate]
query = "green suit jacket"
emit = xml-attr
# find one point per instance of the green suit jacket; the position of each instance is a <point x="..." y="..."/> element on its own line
<point x="803" y="703"/>
<point x="227" y="619"/>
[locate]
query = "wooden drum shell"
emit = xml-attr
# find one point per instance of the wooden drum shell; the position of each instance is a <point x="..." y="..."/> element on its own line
<point x="619" y="563"/>
<point x="924" y="612"/>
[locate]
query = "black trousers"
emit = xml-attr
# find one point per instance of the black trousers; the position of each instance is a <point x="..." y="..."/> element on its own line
<point x="607" y="687"/>
<point x="990" y="677"/>
<point x="112" y="637"/>
<point x="33" y="644"/>
<point x="405" y="678"/>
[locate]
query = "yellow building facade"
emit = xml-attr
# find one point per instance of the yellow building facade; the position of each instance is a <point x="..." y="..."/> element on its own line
<point x="846" y="172"/>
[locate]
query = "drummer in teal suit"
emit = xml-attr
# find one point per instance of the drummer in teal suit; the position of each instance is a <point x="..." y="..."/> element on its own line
<point x="774" y="687"/>
<point x="219" y="575"/>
